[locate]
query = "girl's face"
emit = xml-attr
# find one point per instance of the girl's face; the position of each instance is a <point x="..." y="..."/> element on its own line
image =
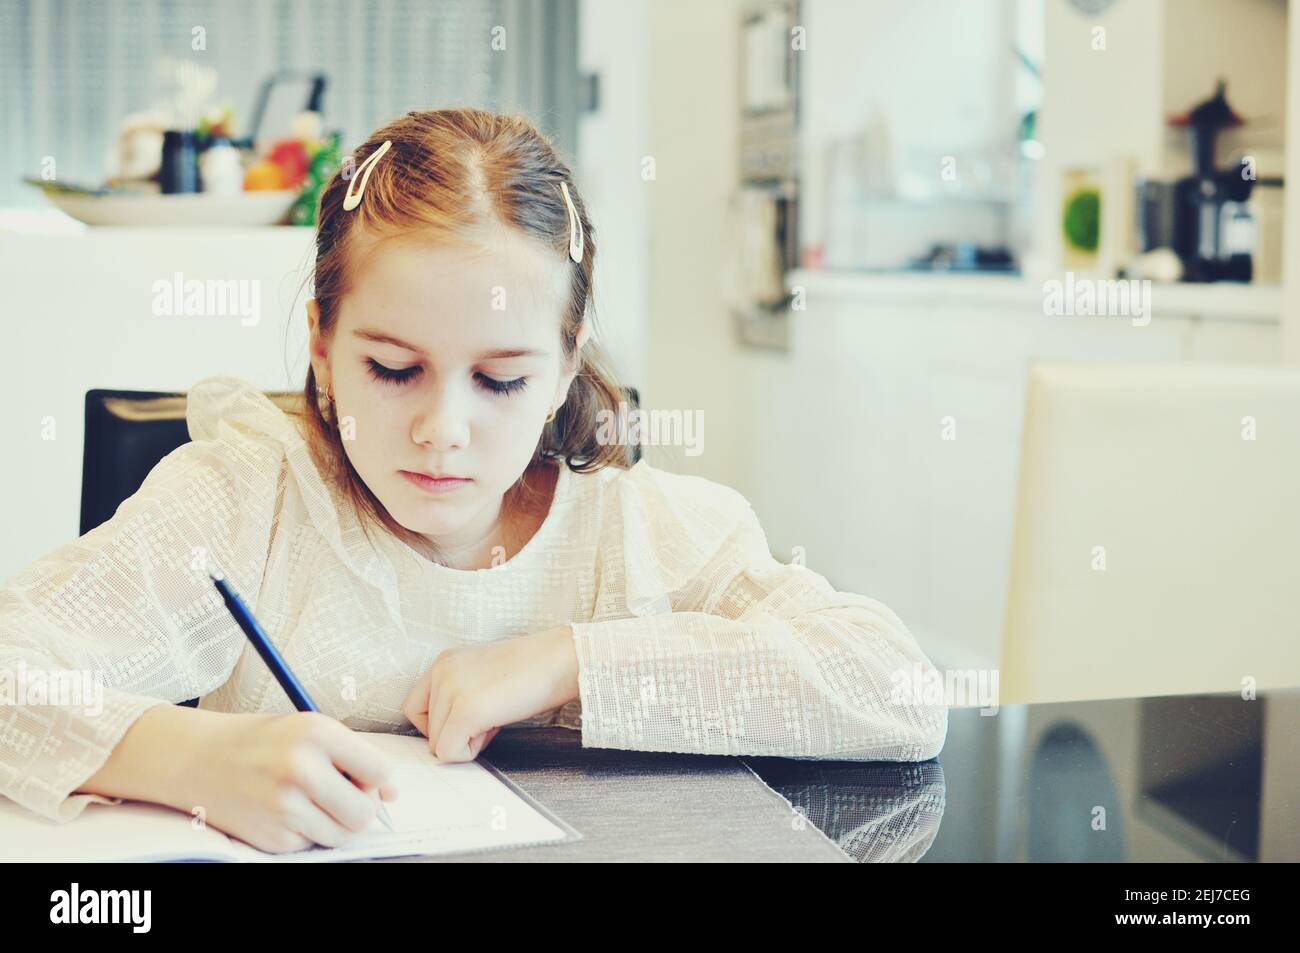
<point x="445" y="361"/>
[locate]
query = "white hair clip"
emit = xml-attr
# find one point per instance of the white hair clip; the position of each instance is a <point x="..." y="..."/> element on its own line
<point x="351" y="200"/>
<point x="576" y="238"/>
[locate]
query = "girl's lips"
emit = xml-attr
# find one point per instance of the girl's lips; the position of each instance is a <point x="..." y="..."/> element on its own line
<point x="430" y="485"/>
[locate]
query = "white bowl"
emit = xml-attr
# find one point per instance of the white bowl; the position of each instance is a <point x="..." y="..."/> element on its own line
<point x="186" y="209"/>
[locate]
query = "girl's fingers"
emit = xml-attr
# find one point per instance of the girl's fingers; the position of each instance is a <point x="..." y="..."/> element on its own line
<point x="416" y="705"/>
<point x="421" y="721"/>
<point x="439" y="709"/>
<point x="458" y="734"/>
<point x="349" y="805"/>
<point x="455" y="746"/>
<point x="481" y="741"/>
<point x="385" y="792"/>
<point x="310" y="821"/>
<point x="352" y="754"/>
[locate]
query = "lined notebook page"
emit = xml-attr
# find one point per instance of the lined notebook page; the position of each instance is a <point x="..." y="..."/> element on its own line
<point x="441" y="808"/>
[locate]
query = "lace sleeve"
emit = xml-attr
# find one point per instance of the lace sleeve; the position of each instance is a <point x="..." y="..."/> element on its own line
<point x="99" y="630"/>
<point x="757" y="657"/>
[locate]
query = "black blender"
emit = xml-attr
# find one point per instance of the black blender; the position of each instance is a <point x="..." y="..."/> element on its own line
<point x="1213" y="228"/>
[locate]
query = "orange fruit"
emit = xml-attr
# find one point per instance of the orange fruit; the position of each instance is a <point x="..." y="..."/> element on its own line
<point x="263" y="175"/>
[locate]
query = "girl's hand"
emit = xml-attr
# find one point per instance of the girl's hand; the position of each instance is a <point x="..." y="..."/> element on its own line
<point x="468" y="693"/>
<point x="277" y="781"/>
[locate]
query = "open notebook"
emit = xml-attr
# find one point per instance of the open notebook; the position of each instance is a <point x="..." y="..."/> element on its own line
<point x="440" y="809"/>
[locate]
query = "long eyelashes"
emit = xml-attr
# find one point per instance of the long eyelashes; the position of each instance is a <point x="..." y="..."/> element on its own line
<point x="405" y="375"/>
<point x="502" y="387"/>
<point x="391" y="375"/>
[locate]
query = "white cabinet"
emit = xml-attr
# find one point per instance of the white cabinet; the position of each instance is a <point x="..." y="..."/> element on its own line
<point x="850" y="460"/>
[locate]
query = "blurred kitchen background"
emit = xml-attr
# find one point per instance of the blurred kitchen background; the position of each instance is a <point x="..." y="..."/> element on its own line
<point x="824" y="223"/>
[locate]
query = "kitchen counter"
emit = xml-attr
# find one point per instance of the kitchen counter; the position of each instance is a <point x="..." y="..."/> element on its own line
<point x="1220" y="301"/>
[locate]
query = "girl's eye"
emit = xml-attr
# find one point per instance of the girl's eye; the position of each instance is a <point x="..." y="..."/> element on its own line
<point x="505" y="388"/>
<point x="405" y="375"/>
<point x="392" y="375"/>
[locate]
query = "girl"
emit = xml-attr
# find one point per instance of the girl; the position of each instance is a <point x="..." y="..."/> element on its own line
<point x="441" y="538"/>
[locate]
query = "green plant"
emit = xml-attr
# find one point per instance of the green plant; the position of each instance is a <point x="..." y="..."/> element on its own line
<point x="1082" y="219"/>
<point x="324" y="163"/>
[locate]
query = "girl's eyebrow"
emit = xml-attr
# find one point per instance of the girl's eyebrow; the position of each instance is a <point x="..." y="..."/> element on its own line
<point x="371" y="335"/>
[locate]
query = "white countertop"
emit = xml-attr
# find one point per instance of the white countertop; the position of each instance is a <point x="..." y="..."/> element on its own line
<point x="47" y="223"/>
<point x="1219" y="301"/>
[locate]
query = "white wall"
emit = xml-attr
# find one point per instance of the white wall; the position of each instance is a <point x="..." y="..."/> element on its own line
<point x="1291" y="259"/>
<point x="78" y="314"/>
<point x="613" y="41"/>
<point x="691" y="356"/>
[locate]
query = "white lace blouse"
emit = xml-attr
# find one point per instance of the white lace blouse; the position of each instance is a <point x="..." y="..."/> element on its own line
<point x="690" y="636"/>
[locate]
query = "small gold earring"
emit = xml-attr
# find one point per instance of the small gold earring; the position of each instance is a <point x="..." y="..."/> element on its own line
<point x="551" y="416"/>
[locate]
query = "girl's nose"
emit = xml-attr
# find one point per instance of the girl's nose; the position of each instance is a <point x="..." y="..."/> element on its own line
<point x="444" y="426"/>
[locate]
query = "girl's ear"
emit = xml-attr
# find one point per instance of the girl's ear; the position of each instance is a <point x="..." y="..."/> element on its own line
<point x="315" y="346"/>
<point x="562" y="386"/>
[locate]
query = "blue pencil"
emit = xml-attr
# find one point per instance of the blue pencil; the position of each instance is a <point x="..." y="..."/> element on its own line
<point x="274" y="661"/>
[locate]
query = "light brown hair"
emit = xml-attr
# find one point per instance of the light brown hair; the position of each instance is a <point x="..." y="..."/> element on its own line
<point x="447" y="173"/>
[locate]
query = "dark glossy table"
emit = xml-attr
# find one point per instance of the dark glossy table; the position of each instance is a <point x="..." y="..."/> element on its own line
<point x="1186" y="778"/>
<point x="1173" y="779"/>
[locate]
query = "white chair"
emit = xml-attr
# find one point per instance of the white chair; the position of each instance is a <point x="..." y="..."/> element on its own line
<point x="1156" y="548"/>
